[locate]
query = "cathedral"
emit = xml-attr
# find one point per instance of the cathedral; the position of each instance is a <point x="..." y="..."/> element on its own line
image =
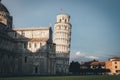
<point x="34" y="51"/>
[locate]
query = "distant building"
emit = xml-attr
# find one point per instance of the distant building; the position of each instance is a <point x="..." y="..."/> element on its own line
<point x="93" y="65"/>
<point x="96" y="65"/>
<point x="31" y="51"/>
<point x="110" y="67"/>
<point x="114" y="65"/>
<point x="93" y="68"/>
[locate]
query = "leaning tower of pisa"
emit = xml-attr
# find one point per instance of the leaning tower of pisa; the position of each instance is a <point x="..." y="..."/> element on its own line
<point x="62" y="39"/>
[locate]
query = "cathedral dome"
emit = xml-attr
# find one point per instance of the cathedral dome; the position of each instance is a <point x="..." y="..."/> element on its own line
<point x="3" y="8"/>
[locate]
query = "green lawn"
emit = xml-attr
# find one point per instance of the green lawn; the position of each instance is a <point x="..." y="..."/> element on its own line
<point x="64" y="78"/>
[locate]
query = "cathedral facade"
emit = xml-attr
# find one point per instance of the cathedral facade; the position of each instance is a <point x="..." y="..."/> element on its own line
<point x="32" y="51"/>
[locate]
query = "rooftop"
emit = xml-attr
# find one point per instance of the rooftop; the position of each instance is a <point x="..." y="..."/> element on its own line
<point x="32" y="28"/>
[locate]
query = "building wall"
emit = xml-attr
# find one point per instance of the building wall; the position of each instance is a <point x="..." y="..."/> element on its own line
<point x="25" y="55"/>
<point x="8" y="55"/>
<point x="114" y="65"/>
<point x="34" y="39"/>
<point x="36" y="51"/>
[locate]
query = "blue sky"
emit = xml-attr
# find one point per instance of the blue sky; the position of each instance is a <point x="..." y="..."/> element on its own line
<point x="95" y="23"/>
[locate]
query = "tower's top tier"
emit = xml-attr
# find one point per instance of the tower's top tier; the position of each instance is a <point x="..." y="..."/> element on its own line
<point x="63" y="18"/>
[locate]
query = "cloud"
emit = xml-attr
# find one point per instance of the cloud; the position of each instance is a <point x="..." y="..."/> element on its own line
<point x="92" y="57"/>
<point x="79" y="56"/>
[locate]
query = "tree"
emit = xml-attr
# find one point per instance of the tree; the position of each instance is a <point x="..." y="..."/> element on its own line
<point x="74" y="67"/>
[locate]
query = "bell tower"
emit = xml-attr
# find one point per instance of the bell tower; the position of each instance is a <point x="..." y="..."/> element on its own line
<point x="62" y="39"/>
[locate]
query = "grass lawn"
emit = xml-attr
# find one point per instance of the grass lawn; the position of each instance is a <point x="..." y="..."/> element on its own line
<point x="64" y="78"/>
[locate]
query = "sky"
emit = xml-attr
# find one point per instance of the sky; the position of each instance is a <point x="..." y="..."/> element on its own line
<point x="95" y="23"/>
